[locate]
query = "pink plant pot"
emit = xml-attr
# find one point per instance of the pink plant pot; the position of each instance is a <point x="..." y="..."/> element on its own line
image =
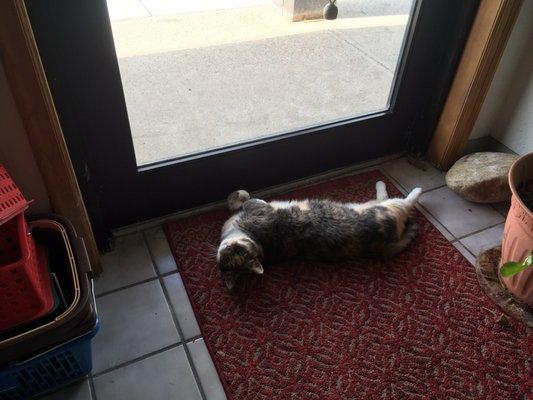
<point x="518" y="232"/>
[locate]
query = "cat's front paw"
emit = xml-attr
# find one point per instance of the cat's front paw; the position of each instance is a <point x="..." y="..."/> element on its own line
<point x="237" y="199"/>
<point x="381" y="191"/>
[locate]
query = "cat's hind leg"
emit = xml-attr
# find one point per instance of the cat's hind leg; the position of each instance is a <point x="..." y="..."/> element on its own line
<point x="381" y="195"/>
<point x="381" y="191"/>
<point x="237" y="199"/>
<point x="407" y="237"/>
<point x="412" y="197"/>
<point x="403" y="205"/>
<point x="400" y="210"/>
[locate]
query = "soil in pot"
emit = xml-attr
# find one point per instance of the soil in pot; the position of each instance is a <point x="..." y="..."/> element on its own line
<point x="526" y="194"/>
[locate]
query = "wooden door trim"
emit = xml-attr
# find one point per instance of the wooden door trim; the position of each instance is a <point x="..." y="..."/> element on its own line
<point x="34" y="101"/>
<point x="485" y="45"/>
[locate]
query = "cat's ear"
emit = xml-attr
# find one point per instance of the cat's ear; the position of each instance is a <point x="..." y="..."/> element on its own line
<point x="229" y="280"/>
<point x="256" y="267"/>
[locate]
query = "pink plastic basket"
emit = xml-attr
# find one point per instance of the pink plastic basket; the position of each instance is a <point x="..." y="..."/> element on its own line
<point x="25" y="287"/>
<point x="12" y="201"/>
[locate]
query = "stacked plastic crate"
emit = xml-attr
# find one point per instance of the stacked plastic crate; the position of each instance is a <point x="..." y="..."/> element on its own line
<point x="47" y="310"/>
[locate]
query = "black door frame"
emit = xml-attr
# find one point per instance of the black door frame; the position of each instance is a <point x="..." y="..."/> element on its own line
<point x="76" y="46"/>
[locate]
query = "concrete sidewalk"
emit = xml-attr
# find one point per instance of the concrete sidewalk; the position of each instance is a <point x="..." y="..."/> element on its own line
<point x="198" y="81"/>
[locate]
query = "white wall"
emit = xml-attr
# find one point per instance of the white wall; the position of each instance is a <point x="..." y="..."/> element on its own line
<point x="507" y="113"/>
<point x="15" y="151"/>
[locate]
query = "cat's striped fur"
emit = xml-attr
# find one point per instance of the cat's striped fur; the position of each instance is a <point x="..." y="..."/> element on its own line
<point x="266" y="232"/>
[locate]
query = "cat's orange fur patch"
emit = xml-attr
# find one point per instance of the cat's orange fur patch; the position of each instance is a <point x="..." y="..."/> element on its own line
<point x="400" y="216"/>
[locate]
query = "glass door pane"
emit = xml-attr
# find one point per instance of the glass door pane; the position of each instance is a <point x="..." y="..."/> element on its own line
<point x="199" y="75"/>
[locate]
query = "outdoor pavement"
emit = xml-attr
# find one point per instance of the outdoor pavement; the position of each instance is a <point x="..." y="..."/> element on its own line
<point x="204" y="74"/>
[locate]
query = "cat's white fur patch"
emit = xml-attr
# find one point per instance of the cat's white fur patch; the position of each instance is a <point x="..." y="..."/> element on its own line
<point x="362" y="206"/>
<point x="381" y="191"/>
<point x="301" y="204"/>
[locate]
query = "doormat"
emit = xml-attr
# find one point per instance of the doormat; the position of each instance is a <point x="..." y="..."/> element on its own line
<point x="414" y="327"/>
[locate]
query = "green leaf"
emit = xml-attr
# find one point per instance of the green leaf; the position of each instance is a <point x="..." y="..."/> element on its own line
<point x="512" y="268"/>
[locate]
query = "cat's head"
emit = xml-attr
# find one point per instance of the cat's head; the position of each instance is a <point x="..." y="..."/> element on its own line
<point x="238" y="256"/>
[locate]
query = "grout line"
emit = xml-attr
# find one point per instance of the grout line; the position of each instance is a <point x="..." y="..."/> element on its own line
<point x="167" y="243"/>
<point x="177" y="325"/>
<point x="133" y="361"/>
<point x="458" y="243"/>
<point x="479" y="230"/>
<point x="162" y="275"/>
<point x="92" y="390"/>
<point x="468" y="250"/>
<point x="165" y="274"/>
<point x="432" y="189"/>
<point x="126" y="287"/>
<point x="190" y="340"/>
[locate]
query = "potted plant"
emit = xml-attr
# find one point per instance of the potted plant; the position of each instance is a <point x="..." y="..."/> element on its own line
<point x="512" y="268"/>
<point x="518" y="233"/>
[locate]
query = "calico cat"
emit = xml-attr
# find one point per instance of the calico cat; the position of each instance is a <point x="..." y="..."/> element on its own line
<point x="323" y="230"/>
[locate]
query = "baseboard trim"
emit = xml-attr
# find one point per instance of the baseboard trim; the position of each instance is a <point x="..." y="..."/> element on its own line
<point x="486" y="143"/>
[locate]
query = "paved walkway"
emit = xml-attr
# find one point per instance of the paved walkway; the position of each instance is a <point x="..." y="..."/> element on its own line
<point x="199" y="80"/>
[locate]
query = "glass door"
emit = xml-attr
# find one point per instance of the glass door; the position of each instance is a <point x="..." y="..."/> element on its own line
<point x="170" y="104"/>
<point x="208" y="75"/>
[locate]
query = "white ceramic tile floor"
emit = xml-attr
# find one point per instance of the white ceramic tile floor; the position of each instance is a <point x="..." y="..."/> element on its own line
<point x="160" y="376"/>
<point x="410" y="176"/>
<point x="181" y="306"/>
<point x="130" y="262"/>
<point x="459" y="216"/>
<point x="206" y="370"/>
<point x="150" y="345"/>
<point x="134" y="322"/>
<point x="158" y="247"/>
<point x="484" y="240"/>
<point x="77" y="391"/>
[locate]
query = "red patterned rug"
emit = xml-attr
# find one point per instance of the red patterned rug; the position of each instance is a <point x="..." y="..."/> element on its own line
<point x="417" y="327"/>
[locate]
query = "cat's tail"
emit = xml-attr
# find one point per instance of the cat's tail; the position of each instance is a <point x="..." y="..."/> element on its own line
<point x="237" y="199"/>
<point x="412" y="197"/>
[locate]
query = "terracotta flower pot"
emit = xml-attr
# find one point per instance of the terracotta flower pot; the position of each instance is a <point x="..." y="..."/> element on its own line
<point x="518" y="232"/>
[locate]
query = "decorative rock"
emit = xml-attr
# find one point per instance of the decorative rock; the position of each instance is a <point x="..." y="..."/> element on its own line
<point x="482" y="177"/>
